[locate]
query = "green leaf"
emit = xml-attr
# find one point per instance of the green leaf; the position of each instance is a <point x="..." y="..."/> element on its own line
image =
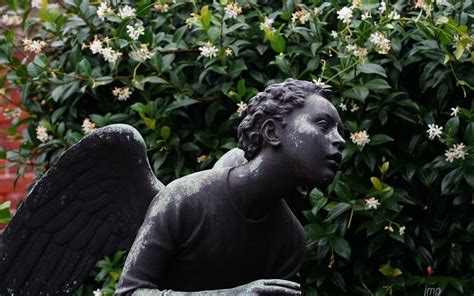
<point x="343" y="191"/>
<point x="452" y="126"/>
<point x="181" y="103"/>
<point x="389" y="271"/>
<point x="377" y="84"/>
<point x="165" y="132"/>
<point x="206" y="16"/>
<point x="5" y="214"/>
<point x="369" y="158"/>
<point x="338" y="210"/>
<point x="361" y="92"/>
<point x="278" y="43"/>
<point x="469" y="175"/>
<point x="379" y="139"/>
<point x="377" y="183"/>
<point x="318" y="200"/>
<point x="341" y="247"/>
<point x="84" y="68"/>
<point x="469" y="134"/>
<point x="371" y="68"/>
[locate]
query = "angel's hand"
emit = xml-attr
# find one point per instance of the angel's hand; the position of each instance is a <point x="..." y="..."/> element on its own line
<point x="268" y="287"/>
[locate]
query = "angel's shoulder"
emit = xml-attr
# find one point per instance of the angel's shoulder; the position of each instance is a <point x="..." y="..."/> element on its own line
<point x="191" y="191"/>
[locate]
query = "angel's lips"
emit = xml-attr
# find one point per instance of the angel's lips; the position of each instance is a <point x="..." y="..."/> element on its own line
<point x="334" y="160"/>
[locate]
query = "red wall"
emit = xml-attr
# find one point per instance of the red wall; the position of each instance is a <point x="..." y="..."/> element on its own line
<point x="8" y="176"/>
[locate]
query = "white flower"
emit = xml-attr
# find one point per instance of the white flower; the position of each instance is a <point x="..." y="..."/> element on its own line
<point x="355" y="107"/>
<point x="33" y="45"/>
<point x="420" y="4"/>
<point x="127" y="11"/>
<point x="135" y="31"/>
<point x="455" y="111"/>
<point x="343" y="106"/>
<point x="122" y="93"/>
<point x="97" y="292"/>
<point x="37" y="4"/>
<point x="42" y="133"/>
<point x="365" y="16"/>
<point x="319" y="82"/>
<point x="11" y="20"/>
<point x="389" y="228"/>
<point x="110" y="55"/>
<point x="371" y="203"/>
<point x="458" y="151"/>
<point x="383" y="7"/>
<point x="382" y="43"/>
<point x="209" y="50"/>
<point x="394" y="15"/>
<point x="228" y="52"/>
<point x="267" y="24"/>
<point x="241" y="107"/>
<point x="103" y="10"/>
<point x="190" y="20"/>
<point x="142" y="54"/>
<point x="345" y="15"/>
<point x="300" y="15"/>
<point x="334" y="34"/>
<point x="356" y="3"/>
<point x="87" y="126"/>
<point x="232" y="10"/>
<point x="360" y="138"/>
<point x="95" y="46"/>
<point x="401" y="230"/>
<point x="442" y="2"/>
<point x="161" y="7"/>
<point x="434" y="131"/>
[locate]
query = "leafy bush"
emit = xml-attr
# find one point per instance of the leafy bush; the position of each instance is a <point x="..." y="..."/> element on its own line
<point x="398" y="217"/>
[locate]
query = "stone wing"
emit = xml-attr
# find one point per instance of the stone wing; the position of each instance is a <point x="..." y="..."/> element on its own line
<point x="89" y="204"/>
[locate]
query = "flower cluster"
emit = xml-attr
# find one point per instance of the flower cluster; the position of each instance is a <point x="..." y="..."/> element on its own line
<point x="241" y="107"/>
<point x="300" y="15"/>
<point x="122" y="93"/>
<point x="127" y="11"/>
<point x="104" y="10"/>
<point x="142" y="54"/>
<point x="434" y="131"/>
<point x="232" y="10"/>
<point x="37" y="4"/>
<point x="108" y="53"/>
<point x="135" y="31"/>
<point x="371" y="203"/>
<point x="161" y="7"/>
<point x="267" y="24"/>
<point x="87" y="126"/>
<point x="382" y="43"/>
<point x="209" y="50"/>
<point x="11" y="20"/>
<point x="360" y="138"/>
<point x="42" y="133"/>
<point x="458" y="151"/>
<point x="345" y="15"/>
<point x="35" y="46"/>
<point x="358" y="51"/>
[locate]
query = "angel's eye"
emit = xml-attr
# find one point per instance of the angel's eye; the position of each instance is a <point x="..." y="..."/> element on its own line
<point x="324" y="124"/>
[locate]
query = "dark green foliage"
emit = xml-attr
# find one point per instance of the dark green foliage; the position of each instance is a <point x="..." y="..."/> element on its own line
<point x="185" y="106"/>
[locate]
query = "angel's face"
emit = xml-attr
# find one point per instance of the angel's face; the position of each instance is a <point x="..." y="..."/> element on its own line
<point x="311" y="142"/>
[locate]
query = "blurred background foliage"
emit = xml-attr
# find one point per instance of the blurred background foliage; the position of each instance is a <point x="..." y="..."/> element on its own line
<point x="398" y="218"/>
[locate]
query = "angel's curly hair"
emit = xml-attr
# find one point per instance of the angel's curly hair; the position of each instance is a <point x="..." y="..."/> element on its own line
<point x="276" y="101"/>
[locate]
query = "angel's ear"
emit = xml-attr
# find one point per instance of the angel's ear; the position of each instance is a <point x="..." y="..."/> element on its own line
<point x="270" y="132"/>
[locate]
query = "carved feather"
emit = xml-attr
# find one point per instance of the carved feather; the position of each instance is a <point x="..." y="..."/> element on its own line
<point x="89" y="203"/>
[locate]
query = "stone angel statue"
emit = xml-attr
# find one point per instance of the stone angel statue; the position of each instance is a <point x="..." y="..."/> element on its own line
<point x="223" y="231"/>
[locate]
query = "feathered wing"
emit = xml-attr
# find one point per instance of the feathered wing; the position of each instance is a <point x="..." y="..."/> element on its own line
<point x="87" y="205"/>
